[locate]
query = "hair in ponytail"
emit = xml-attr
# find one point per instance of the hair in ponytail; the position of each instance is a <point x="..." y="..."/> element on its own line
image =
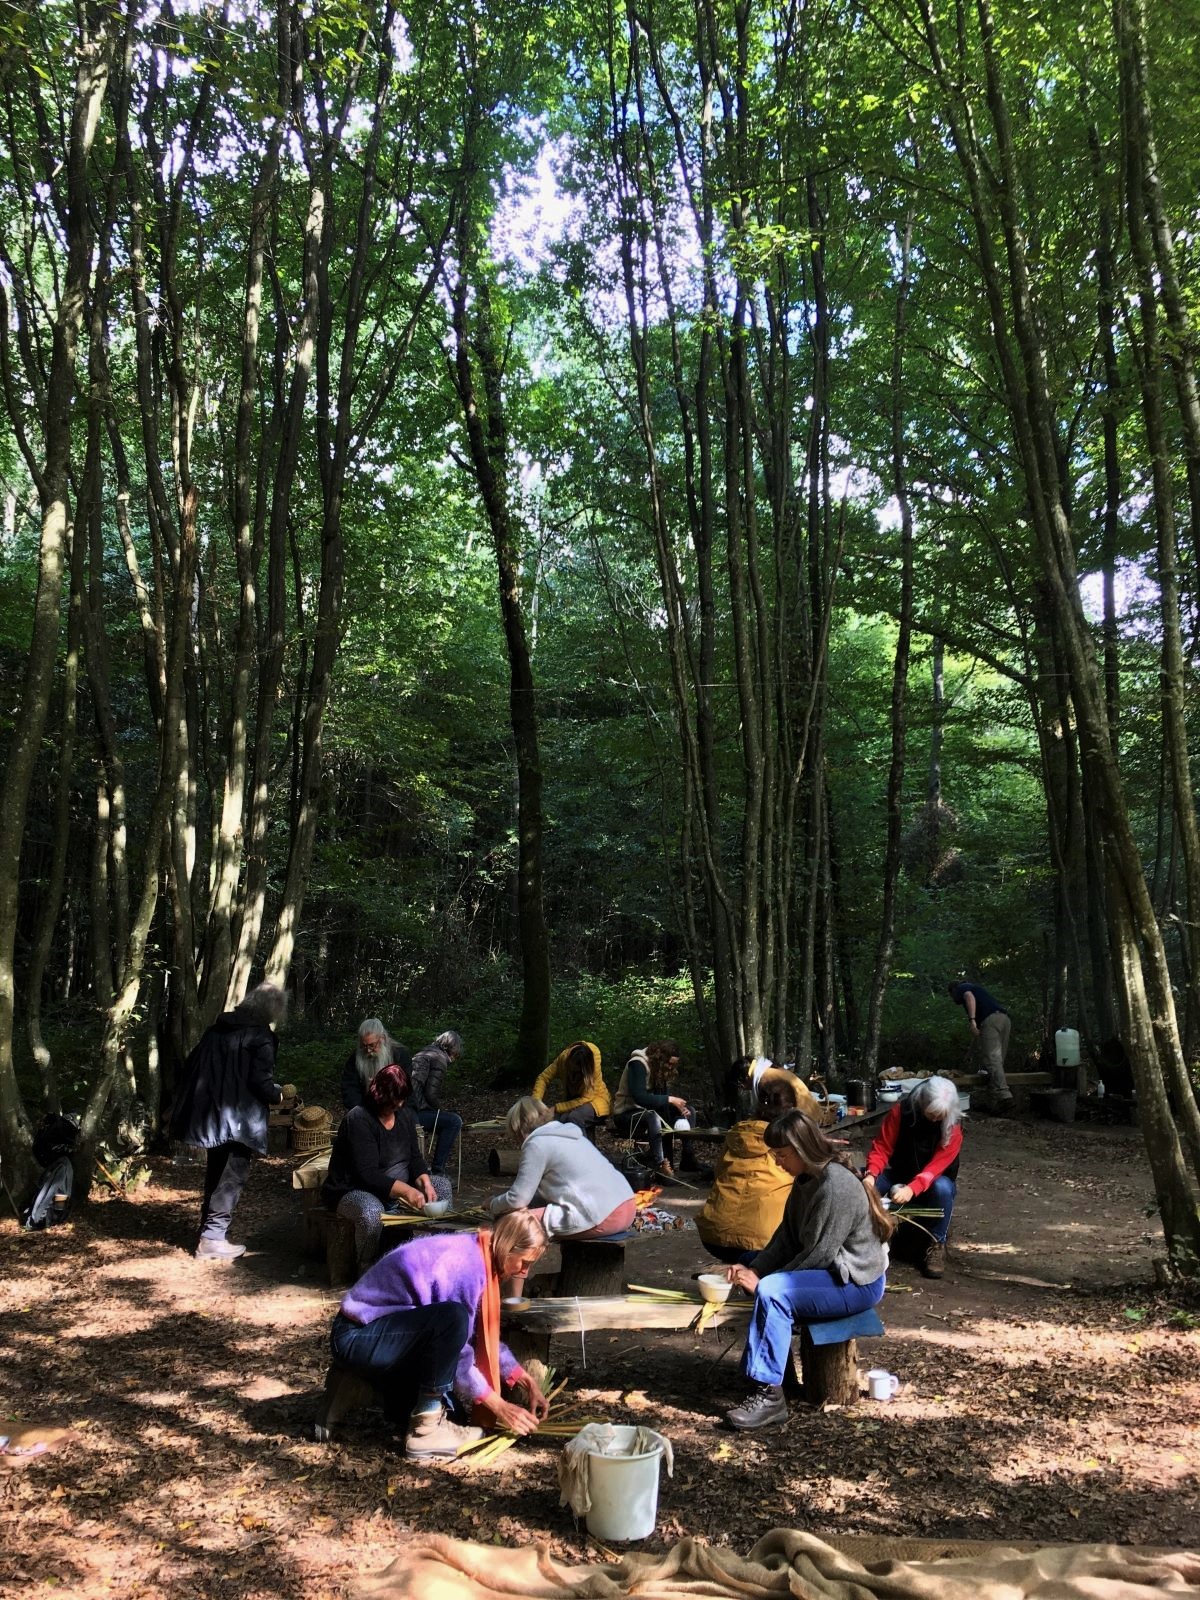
<point x="800" y="1133"/>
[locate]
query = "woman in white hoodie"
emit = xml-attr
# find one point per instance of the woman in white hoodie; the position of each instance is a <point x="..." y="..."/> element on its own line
<point x="563" y="1178"/>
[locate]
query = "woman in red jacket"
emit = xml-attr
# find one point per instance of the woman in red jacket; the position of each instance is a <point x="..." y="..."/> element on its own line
<point x="916" y="1152"/>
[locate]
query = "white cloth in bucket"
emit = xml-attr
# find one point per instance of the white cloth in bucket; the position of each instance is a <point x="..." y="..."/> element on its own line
<point x="600" y="1438"/>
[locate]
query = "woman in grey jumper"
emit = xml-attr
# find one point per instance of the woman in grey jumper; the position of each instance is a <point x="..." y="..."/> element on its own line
<point x="828" y="1258"/>
<point x="573" y="1189"/>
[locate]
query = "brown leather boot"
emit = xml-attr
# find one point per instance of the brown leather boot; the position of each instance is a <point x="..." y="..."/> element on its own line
<point x="934" y="1264"/>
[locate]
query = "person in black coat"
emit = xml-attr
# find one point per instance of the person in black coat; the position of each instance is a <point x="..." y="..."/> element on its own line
<point x="376" y="1163"/>
<point x="376" y="1048"/>
<point x="222" y="1106"/>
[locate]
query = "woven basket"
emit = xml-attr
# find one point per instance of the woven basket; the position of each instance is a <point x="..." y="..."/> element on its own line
<point x="310" y="1130"/>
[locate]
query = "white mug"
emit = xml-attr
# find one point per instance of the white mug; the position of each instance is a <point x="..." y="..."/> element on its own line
<point x="882" y="1384"/>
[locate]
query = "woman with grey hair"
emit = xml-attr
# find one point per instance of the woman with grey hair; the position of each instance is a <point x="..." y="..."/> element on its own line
<point x="916" y="1152"/>
<point x="375" y="1048"/>
<point x="429" y="1067"/>
<point x="561" y="1174"/>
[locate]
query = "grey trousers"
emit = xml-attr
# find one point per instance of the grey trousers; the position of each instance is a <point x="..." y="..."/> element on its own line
<point x="365" y="1213"/>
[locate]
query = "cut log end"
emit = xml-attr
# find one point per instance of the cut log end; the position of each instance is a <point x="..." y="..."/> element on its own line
<point x="829" y="1372"/>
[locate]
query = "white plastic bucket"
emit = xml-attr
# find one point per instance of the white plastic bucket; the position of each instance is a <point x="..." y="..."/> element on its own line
<point x="1066" y="1047"/>
<point x="623" y="1489"/>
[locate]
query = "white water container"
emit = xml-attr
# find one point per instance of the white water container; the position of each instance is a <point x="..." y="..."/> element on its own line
<point x="623" y="1489"/>
<point x="1066" y="1047"/>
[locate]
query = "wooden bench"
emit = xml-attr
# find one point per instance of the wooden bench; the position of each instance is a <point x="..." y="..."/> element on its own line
<point x="828" y="1349"/>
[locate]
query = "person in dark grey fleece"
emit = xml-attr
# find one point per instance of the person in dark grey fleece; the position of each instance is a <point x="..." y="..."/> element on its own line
<point x="828" y="1258"/>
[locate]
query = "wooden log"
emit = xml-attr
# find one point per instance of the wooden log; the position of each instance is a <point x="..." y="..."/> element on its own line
<point x="341" y="1253"/>
<point x="279" y="1134"/>
<point x="829" y="1372"/>
<point x="591" y="1268"/>
<point x="532" y="1349"/>
<point x="344" y="1392"/>
<point x="315" y="1221"/>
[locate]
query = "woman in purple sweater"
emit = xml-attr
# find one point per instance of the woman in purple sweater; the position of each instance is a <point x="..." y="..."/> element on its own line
<point x="424" y="1323"/>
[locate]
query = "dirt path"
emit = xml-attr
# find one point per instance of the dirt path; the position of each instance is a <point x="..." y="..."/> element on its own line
<point x="1048" y="1393"/>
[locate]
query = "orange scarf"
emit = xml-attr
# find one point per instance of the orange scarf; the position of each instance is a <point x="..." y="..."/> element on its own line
<point x="487" y="1328"/>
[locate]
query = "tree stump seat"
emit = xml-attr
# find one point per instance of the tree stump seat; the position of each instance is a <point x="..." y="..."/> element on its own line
<point x="593" y="1267"/>
<point x="829" y="1358"/>
<point x="329" y="1238"/>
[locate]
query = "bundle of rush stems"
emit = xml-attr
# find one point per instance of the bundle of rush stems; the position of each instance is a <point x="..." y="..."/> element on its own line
<point x="641" y="1293"/>
<point x="911" y="1213"/>
<point x="483" y="1452"/>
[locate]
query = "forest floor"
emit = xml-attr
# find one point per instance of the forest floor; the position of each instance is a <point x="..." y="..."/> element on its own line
<point x="1048" y="1393"/>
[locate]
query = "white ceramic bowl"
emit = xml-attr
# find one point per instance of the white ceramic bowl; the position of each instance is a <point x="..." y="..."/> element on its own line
<point x="682" y="1125"/>
<point x="714" y="1287"/>
<point x="435" y="1208"/>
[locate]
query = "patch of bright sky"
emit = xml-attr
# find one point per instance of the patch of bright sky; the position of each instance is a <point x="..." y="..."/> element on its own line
<point x="534" y="215"/>
<point x="1135" y="594"/>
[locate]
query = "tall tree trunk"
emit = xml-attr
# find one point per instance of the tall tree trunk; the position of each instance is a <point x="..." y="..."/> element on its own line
<point x="895" y="786"/>
<point x="94" y="47"/>
<point x="478" y="378"/>
<point x="1172" y="671"/>
<point x="1139" y="959"/>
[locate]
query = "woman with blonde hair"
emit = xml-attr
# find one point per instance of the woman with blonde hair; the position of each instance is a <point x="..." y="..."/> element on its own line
<point x="423" y="1327"/>
<point x="828" y="1258"/>
<point x="578" y="1192"/>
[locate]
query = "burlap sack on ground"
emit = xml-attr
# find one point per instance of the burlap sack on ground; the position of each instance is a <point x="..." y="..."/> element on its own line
<point x="786" y="1562"/>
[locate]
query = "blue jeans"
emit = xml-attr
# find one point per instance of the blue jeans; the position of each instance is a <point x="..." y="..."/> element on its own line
<point x="940" y="1192"/>
<point x="448" y="1125"/>
<point x="784" y="1298"/>
<point x="406" y="1354"/>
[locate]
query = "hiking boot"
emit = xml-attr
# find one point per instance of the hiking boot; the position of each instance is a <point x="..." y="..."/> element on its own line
<point x="934" y="1264"/>
<point x="218" y="1250"/>
<point x="762" y="1407"/>
<point x="664" y="1169"/>
<point x="432" y="1433"/>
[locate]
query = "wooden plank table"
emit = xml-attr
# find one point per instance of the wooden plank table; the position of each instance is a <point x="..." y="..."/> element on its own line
<point x="828" y="1349"/>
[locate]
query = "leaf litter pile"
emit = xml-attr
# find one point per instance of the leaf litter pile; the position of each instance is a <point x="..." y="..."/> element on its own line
<point x="1048" y="1392"/>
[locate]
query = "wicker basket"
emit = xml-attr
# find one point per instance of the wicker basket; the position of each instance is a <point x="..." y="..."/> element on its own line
<point x="311" y="1129"/>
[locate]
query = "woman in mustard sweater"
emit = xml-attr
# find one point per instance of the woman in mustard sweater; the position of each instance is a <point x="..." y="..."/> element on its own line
<point x="581" y="1094"/>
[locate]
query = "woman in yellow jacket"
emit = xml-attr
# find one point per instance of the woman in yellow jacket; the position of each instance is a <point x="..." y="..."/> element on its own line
<point x="746" y="1201"/>
<point x="582" y="1094"/>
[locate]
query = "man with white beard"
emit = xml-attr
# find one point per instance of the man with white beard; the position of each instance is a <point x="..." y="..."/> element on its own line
<point x="376" y="1048"/>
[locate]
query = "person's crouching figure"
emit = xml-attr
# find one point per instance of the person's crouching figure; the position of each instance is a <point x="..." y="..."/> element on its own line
<point x="423" y="1328"/>
<point x="828" y="1258"/>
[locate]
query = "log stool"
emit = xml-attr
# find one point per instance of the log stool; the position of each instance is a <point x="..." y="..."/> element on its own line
<point x="829" y="1359"/>
<point x="593" y="1267"/>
